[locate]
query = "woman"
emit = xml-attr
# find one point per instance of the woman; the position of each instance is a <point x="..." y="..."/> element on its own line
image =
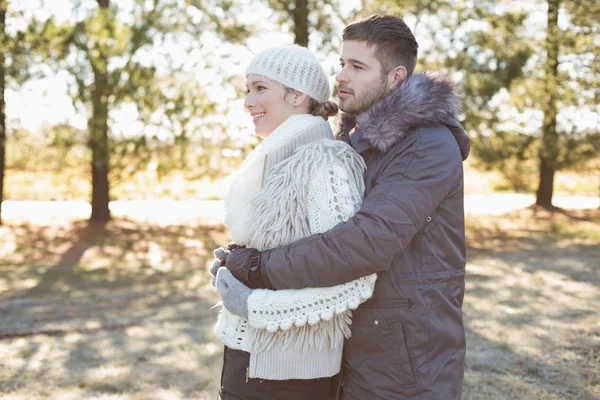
<point x="297" y="182"/>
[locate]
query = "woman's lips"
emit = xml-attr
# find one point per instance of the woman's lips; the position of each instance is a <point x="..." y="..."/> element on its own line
<point x="256" y="117"/>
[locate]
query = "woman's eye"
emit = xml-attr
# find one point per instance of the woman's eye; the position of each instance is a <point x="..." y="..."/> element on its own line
<point x="357" y="67"/>
<point x="260" y="88"/>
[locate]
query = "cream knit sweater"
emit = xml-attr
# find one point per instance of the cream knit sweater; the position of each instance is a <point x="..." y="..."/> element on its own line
<point x="297" y="182"/>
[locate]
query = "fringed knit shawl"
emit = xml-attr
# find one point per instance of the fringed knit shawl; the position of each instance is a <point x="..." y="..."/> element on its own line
<point x="281" y="217"/>
<point x="278" y="214"/>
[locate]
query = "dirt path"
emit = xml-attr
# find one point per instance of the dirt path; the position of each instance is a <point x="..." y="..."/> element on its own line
<point x="531" y="308"/>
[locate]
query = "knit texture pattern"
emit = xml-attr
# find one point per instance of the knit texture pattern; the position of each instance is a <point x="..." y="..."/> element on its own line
<point x="295" y="67"/>
<point x="298" y="334"/>
<point x="332" y="199"/>
<point x="292" y="313"/>
<point x="243" y="184"/>
<point x="277" y="310"/>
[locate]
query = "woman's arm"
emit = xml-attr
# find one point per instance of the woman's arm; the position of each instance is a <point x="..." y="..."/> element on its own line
<point x="280" y="309"/>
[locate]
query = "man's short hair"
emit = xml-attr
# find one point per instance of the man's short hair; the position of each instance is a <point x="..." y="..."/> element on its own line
<point x="394" y="42"/>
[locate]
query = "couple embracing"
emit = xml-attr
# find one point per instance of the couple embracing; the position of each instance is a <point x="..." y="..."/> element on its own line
<point x="346" y="276"/>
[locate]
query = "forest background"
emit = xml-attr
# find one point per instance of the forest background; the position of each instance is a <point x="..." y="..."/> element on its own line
<point x="119" y="121"/>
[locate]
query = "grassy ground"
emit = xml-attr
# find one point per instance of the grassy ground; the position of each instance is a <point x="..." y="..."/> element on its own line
<point x="531" y="309"/>
<point x="123" y="311"/>
<point x="112" y="312"/>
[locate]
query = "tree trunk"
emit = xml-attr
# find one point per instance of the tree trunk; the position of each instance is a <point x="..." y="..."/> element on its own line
<point x="549" y="150"/>
<point x="2" y="104"/>
<point x="98" y="127"/>
<point x="300" y="17"/>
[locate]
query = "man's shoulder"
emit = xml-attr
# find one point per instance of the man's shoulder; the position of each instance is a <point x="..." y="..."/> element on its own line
<point x="437" y="133"/>
<point x="447" y="137"/>
<point x="426" y="141"/>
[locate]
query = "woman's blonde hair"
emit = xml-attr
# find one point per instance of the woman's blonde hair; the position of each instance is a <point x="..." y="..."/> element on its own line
<point x="325" y="110"/>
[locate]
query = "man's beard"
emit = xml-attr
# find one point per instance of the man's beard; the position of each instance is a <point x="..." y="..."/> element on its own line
<point x="366" y="100"/>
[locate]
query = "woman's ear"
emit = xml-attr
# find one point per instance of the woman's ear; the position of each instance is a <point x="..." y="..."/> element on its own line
<point x="296" y="98"/>
<point x="299" y="99"/>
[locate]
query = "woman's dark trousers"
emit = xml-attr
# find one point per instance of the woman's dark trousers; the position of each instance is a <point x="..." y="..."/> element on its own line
<point x="236" y="386"/>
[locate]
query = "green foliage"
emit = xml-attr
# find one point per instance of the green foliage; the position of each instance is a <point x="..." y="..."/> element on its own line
<point x="119" y="57"/>
<point x="56" y="160"/>
<point x="316" y="21"/>
<point x="19" y="48"/>
<point x="107" y="52"/>
<point x="52" y="149"/>
<point x="222" y="17"/>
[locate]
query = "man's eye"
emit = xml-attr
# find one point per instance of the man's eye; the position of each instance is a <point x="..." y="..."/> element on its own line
<point x="260" y="88"/>
<point x="357" y="67"/>
<point x="342" y="65"/>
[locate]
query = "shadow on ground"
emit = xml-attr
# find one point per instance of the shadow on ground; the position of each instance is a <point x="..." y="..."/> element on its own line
<point x="117" y="308"/>
<point x="531" y="306"/>
<point x="124" y="311"/>
<point x="88" y="256"/>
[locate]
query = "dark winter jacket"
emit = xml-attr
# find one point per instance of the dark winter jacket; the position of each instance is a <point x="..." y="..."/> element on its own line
<point x="408" y="341"/>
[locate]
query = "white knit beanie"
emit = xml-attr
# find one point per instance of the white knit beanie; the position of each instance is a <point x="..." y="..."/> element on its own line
<point x="295" y="67"/>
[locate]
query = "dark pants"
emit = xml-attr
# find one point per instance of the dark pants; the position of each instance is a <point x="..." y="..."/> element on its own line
<point x="235" y="386"/>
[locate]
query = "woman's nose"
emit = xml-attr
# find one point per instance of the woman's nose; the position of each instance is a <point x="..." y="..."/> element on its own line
<point x="248" y="103"/>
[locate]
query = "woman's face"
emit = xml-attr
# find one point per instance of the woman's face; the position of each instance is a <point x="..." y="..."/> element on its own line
<point x="268" y="102"/>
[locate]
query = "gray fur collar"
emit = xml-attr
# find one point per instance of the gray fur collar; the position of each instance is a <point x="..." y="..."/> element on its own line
<point x="422" y="100"/>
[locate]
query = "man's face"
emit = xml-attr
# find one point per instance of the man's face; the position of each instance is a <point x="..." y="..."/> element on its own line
<point x="360" y="82"/>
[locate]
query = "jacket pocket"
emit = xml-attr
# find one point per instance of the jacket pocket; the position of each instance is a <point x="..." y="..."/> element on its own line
<point x="404" y="353"/>
<point x="380" y="351"/>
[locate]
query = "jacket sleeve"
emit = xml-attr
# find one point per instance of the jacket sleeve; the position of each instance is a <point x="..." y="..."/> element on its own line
<point x="406" y="192"/>
<point x="332" y="197"/>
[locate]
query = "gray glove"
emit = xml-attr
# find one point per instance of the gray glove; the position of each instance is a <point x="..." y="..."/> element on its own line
<point x="233" y="292"/>
<point x="221" y="255"/>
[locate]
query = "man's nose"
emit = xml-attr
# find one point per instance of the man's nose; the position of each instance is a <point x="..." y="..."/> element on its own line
<point x="342" y="76"/>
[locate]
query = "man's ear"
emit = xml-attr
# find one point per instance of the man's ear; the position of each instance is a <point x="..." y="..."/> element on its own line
<point x="396" y="76"/>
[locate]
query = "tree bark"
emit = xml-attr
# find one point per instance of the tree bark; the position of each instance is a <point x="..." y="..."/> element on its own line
<point x="549" y="150"/>
<point x="98" y="129"/>
<point x="2" y="103"/>
<point x="300" y="17"/>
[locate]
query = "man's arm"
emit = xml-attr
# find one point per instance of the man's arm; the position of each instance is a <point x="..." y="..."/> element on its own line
<point x="406" y="193"/>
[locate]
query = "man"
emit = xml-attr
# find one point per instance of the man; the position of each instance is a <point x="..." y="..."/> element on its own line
<point x="408" y="340"/>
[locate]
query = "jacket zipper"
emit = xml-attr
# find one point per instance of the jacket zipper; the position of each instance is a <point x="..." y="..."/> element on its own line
<point x="247" y="373"/>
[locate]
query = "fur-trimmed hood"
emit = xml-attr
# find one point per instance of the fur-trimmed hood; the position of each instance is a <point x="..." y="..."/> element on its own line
<point x="424" y="99"/>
